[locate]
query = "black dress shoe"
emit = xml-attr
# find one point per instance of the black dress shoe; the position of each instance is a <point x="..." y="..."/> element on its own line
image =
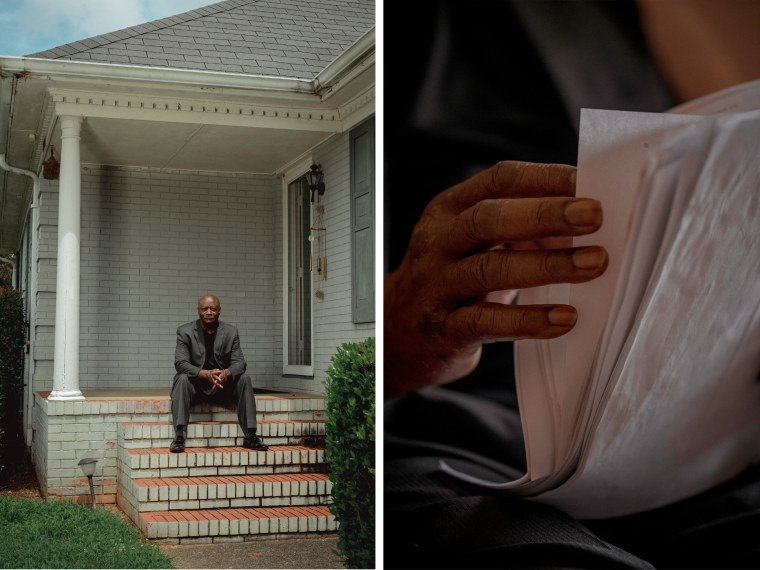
<point x="178" y="445"/>
<point x="253" y="442"/>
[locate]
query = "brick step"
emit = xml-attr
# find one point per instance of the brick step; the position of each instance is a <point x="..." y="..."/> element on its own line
<point x="133" y="435"/>
<point x="186" y="493"/>
<point x="103" y="405"/>
<point x="224" y="415"/>
<point x="267" y="407"/>
<point x="219" y="461"/>
<point x="236" y="524"/>
<point x="217" y="490"/>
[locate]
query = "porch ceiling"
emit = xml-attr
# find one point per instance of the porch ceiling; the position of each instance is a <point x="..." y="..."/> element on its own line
<point x="167" y="119"/>
<point x="185" y="146"/>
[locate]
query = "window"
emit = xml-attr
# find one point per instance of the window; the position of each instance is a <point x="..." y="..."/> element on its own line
<point x="362" y="152"/>
<point x="298" y="310"/>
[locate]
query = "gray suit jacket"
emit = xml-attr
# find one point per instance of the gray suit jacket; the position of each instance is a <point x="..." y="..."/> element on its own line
<point x="190" y="353"/>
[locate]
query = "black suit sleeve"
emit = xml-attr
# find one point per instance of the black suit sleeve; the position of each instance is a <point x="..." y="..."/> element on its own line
<point x="183" y="361"/>
<point x="237" y="363"/>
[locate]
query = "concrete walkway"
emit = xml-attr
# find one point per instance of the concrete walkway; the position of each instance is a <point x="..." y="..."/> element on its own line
<point x="314" y="552"/>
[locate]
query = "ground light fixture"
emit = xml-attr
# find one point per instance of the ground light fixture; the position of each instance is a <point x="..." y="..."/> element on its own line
<point x="87" y="464"/>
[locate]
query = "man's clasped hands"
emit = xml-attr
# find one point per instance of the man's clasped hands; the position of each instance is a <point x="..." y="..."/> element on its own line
<point x="216" y="377"/>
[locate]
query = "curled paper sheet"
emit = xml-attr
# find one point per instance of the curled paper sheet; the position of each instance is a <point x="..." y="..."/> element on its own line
<point x="653" y="397"/>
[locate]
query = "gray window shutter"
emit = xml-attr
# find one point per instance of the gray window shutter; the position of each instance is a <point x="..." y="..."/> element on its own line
<point x="363" y="222"/>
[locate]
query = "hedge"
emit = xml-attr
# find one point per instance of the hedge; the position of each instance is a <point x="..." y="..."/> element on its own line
<point x="12" y="338"/>
<point x="350" y="440"/>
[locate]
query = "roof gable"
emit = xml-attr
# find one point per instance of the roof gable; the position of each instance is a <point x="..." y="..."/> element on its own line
<point x="280" y="38"/>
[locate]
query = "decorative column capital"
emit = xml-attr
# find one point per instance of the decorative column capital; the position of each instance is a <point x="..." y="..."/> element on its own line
<point x="71" y="125"/>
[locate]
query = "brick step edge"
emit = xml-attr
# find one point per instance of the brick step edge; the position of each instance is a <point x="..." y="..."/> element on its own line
<point x="245" y="490"/>
<point x="231" y="480"/>
<point x="130" y="432"/>
<point x="199" y="498"/>
<point x="200" y="461"/>
<point x="237" y="522"/>
<point x="244" y="538"/>
<point x="201" y="443"/>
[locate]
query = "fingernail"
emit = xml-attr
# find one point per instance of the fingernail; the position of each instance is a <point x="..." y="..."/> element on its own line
<point x="589" y="257"/>
<point x="562" y="316"/>
<point x="583" y="212"/>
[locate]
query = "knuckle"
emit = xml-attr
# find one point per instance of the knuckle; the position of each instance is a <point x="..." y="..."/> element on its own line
<point x="507" y="270"/>
<point x="544" y="213"/>
<point x="474" y="325"/>
<point x="546" y="265"/>
<point x="505" y="172"/>
<point x="524" y="322"/>
<point x="470" y="221"/>
<point x="493" y="178"/>
<point x="432" y="319"/>
<point x="480" y="272"/>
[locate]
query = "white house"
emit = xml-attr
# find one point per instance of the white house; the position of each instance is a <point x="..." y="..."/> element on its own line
<point x="184" y="147"/>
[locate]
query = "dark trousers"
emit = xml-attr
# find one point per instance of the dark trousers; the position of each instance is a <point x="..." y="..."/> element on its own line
<point x="237" y="393"/>
<point x="432" y="520"/>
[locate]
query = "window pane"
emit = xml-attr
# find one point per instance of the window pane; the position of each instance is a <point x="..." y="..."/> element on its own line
<point x="299" y="274"/>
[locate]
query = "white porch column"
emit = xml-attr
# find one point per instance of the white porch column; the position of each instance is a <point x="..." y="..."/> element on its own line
<point x="66" y="363"/>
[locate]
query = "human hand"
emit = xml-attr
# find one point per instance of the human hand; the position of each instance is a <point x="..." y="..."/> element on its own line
<point x="220" y="377"/>
<point x="213" y="377"/>
<point x="437" y="316"/>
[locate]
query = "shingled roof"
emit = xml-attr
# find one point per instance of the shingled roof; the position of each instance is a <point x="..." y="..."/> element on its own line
<point x="280" y="38"/>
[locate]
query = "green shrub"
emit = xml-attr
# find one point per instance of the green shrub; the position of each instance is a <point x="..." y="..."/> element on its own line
<point x="60" y="534"/>
<point x="350" y="436"/>
<point x="12" y="338"/>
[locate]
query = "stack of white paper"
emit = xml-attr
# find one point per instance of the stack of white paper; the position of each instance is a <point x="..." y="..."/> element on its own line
<point x="654" y="396"/>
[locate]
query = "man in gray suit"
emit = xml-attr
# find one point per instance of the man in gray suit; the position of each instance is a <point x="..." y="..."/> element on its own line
<point x="211" y="368"/>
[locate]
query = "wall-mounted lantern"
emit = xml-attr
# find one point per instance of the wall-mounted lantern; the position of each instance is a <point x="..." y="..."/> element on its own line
<point x="51" y="168"/>
<point x="316" y="183"/>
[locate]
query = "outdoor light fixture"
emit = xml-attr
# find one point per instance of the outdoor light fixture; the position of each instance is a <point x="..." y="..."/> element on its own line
<point x="87" y="464"/>
<point x="315" y="181"/>
<point x="51" y="168"/>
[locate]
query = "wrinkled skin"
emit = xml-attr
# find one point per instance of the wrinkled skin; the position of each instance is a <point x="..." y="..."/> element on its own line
<point x="505" y="228"/>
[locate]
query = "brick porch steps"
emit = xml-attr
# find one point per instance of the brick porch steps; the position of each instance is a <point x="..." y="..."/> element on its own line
<point x="204" y="461"/>
<point x="186" y="493"/>
<point x="219" y="491"/>
<point x="236" y="523"/>
<point x="223" y="433"/>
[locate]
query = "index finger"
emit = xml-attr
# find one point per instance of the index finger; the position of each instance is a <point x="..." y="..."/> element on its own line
<point x="513" y="179"/>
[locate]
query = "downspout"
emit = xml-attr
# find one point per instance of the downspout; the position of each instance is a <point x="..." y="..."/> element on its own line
<point x="29" y="396"/>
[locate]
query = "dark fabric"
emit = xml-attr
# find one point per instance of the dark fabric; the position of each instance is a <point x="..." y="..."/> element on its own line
<point x="476" y="83"/>
<point x="480" y="85"/>
<point x="435" y="521"/>
<point x="237" y="394"/>
<point x="210" y="362"/>
<point x="190" y="350"/>
<point x="432" y="520"/>
<point x="192" y="354"/>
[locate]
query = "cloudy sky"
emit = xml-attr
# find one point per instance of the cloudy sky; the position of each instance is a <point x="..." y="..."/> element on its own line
<point x="29" y="26"/>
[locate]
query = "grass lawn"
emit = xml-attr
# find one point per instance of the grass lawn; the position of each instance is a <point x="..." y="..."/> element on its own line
<point x="60" y="534"/>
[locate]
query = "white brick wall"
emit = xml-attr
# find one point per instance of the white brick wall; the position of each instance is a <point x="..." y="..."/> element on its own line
<point x="332" y="315"/>
<point x="152" y="242"/>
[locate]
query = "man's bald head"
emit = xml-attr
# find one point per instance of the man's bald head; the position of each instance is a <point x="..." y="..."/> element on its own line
<point x="209" y="308"/>
<point x="213" y="298"/>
